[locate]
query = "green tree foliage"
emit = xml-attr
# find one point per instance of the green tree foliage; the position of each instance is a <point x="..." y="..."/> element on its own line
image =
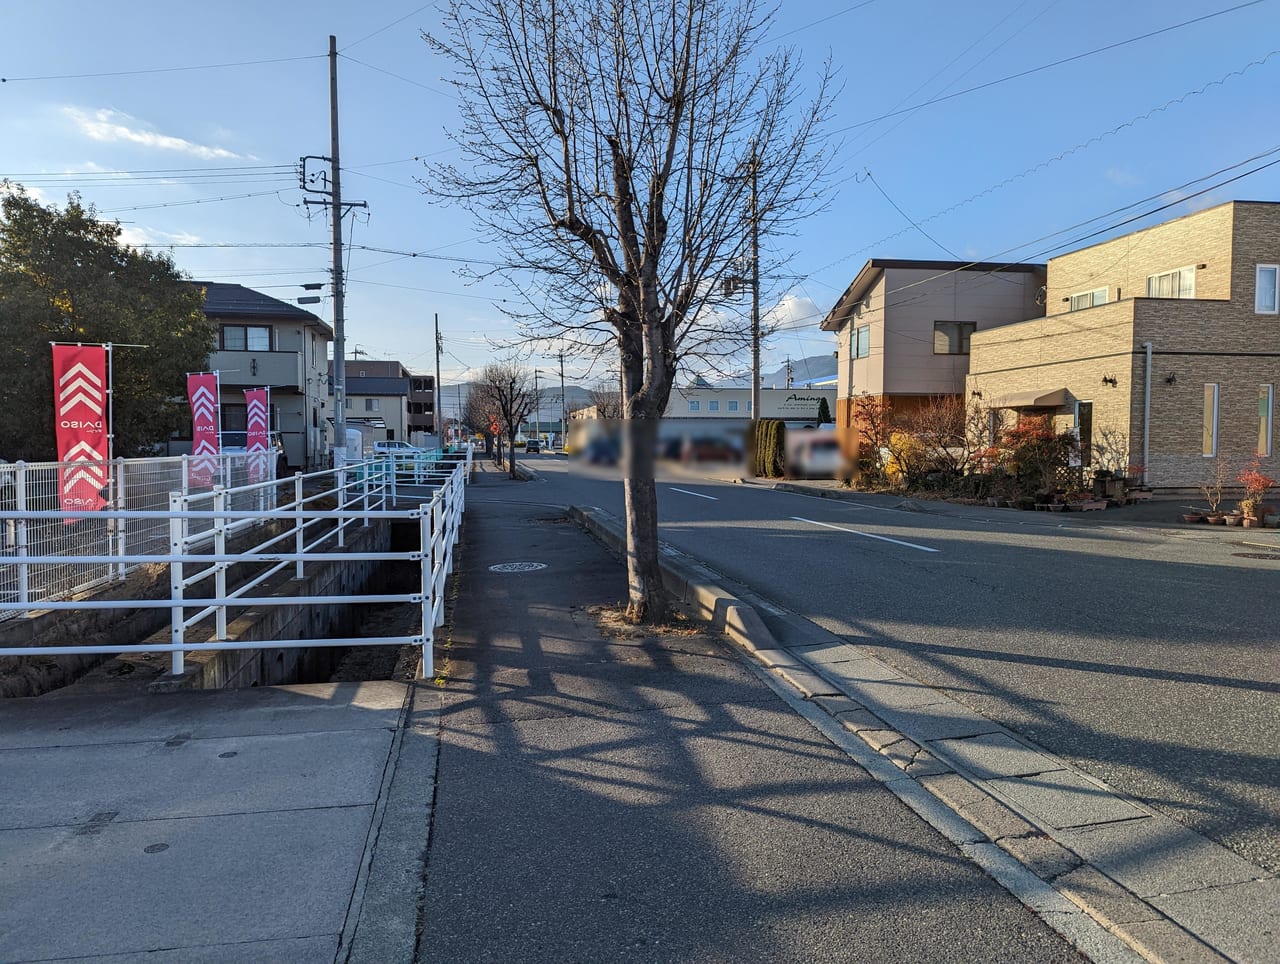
<point x="768" y="448"/>
<point x="65" y="276"/>
<point x="824" y="411"/>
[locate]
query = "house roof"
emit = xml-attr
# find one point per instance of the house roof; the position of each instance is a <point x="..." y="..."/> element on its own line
<point x="222" y="300"/>
<point x="875" y="267"/>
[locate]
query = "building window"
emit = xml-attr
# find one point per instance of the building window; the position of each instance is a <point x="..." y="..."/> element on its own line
<point x="862" y="342"/>
<point x="713" y="406"/>
<point x="235" y="418"/>
<point x="952" y="337"/>
<point x="346" y="403"/>
<point x="1172" y="284"/>
<point x="1266" y="412"/>
<point x="748" y="408"/>
<point x="370" y="404"/>
<point x="1209" y="434"/>
<point x="1087" y="299"/>
<point x="1264" y="299"/>
<point x="246" y="338"/>
<point x="733" y="406"/>
<point x="695" y="405"/>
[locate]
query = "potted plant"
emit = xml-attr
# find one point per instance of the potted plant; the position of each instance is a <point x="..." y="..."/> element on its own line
<point x="1249" y="513"/>
<point x="1211" y="488"/>
<point x="1255" y="485"/>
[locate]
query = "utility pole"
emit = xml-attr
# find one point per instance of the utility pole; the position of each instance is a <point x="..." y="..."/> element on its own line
<point x="564" y="418"/>
<point x="334" y="190"/>
<point x="537" y="402"/>
<point x="755" y="284"/>
<point x="437" y="418"/>
<point x="789" y="374"/>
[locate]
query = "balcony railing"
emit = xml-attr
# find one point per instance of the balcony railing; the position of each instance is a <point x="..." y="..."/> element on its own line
<point x="279" y="369"/>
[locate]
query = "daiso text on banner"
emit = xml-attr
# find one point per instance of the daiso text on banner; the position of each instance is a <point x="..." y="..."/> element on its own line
<point x="80" y="402"/>
<point x="202" y="391"/>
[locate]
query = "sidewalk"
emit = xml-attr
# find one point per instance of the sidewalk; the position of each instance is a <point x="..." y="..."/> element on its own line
<point x="618" y="796"/>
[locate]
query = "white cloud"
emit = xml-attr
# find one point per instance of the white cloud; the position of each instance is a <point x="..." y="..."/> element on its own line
<point x="11" y="187"/>
<point x="139" y="237"/>
<point x="110" y="126"/>
<point x="1121" y="177"/>
<point x="794" y="312"/>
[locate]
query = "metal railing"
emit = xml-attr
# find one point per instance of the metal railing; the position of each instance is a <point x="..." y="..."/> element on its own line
<point x="189" y="534"/>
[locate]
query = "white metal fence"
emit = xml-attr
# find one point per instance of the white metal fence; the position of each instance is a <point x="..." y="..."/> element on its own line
<point x="49" y="554"/>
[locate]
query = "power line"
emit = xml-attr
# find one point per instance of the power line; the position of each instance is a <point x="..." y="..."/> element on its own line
<point x="370" y="36"/>
<point x="199" y="200"/>
<point x="1057" y="63"/>
<point x="1062" y="155"/>
<point x="160" y="70"/>
<point x="406" y="80"/>
<point x="162" y="171"/>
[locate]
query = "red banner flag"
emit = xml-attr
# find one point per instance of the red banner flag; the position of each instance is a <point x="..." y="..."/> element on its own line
<point x="80" y="396"/>
<point x="257" y="405"/>
<point x="202" y="391"/>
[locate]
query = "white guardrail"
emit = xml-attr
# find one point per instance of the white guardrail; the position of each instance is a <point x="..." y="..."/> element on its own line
<point x="49" y="554"/>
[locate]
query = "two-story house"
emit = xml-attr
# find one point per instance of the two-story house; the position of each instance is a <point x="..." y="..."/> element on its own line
<point x="266" y="342"/>
<point x="903" y="329"/>
<point x="378" y="396"/>
<point x="1166" y="339"/>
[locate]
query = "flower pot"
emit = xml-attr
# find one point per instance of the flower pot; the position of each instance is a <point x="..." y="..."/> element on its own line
<point x="1192" y="517"/>
<point x="1251" y="522"/>
<point x="1216" y="519"/>
<point x="1233" y="519"/>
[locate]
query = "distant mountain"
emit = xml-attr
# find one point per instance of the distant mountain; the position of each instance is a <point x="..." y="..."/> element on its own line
<point x="802" y="370"/>
<point x="454" y="396"/>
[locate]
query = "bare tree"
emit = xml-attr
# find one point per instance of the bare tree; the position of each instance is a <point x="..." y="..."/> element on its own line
<point x="607" y="401"/>
<point x="948" y="432"/>
<point x="507" y="393"/>
<point x="621" y="154"/>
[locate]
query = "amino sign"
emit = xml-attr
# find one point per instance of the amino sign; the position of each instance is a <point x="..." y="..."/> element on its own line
<point x="257" y="404"/>
<point x="80" y="400"/>
<point x="202" y="390"/>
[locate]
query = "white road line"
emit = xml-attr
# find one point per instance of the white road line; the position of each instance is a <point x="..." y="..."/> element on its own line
<point x="698" y="494"/>
<point x="867" y="535"/>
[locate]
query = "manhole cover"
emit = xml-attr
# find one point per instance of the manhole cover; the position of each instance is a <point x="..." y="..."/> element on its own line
<point x="518" y="567"/>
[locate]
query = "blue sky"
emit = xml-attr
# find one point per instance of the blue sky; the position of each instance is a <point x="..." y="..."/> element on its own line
<point x="1051" y="149"/>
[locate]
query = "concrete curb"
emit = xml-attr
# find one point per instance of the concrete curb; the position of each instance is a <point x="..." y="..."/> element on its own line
<point x="1101" y="917"/>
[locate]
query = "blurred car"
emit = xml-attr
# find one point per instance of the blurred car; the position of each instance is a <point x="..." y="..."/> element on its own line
<point x="533" y="445"/>
<point x="709" y="449"/>
<point x="816" y="455"/>
<point x="603" y="451"/>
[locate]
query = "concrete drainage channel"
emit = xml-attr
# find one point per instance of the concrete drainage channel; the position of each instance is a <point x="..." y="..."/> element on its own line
<point x="1117" y="879"/>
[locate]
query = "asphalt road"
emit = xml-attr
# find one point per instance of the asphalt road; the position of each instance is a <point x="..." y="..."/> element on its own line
<point x="1145" y="656"/>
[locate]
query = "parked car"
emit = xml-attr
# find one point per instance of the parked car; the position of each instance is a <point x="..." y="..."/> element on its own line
<point x="236" y="443"/>
<point x="533" y="445"/>
<point x="395" y="447"/>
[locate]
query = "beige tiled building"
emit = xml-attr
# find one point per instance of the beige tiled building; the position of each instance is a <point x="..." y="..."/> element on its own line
<point x="1167" y="339"/>
<point x="903" y="328"/>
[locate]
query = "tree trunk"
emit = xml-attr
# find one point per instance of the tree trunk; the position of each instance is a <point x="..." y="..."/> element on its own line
<point x="645" y="599"/>
<point x="511" y="438"/>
